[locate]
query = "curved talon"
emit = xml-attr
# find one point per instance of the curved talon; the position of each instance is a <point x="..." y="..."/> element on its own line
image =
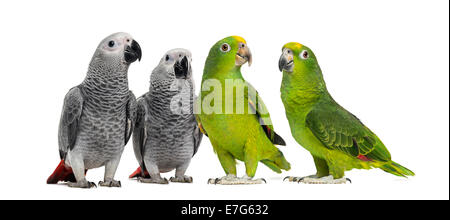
<point x="212" y="181"/>
<point x="264" y="180"/>
<point x="110" y="184"/>
<point x="349" y="180"/>
<point x="181" y="179"/>
<point x="301" y="179"/>
<point x="216" y="181"/>
<point x="92" y="185"/>
<point x="285" y="178"/>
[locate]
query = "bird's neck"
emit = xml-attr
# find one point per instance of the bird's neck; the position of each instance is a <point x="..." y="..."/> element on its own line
<point x="222" y="73"/>
<point x="301" y="90"/>
<point x="106" y="82"/>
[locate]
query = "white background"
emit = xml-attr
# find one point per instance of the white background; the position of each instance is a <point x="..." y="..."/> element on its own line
<point x="385" y="61"/>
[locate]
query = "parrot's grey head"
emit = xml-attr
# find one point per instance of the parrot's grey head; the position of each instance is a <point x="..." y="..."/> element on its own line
<point x="118" y="49"/>
<point x="174" y="65"/>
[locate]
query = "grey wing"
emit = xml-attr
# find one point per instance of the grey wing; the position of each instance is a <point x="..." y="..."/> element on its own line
<point x="140" y="132"/>
<point x="70" y="116"/>
<point x="131" y="116"/>
<point x="198" y="134"/>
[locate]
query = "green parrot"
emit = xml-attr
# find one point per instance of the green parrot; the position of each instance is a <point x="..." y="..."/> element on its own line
<point x="337" y="140"/>
<point x="231" y="113"/>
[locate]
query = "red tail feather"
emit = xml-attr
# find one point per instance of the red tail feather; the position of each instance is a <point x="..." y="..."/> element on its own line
<point x="61" y="173"/>
<point x="138" y="173"/>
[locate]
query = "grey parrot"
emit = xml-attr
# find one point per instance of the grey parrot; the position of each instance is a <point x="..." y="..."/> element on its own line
<point x="98" y="115"/>
<point x="166" y="134"/>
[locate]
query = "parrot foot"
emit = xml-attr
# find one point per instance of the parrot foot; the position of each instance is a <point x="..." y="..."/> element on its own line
<point x="233" y="180"/>
<point x="110" y="183"/>
<point x="181" y="179"/>
<point x="82" y="184"/>
<point x="153" y="180"/>
<point x="313" y="179"/>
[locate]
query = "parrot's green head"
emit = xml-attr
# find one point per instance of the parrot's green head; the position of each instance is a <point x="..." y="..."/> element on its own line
<point x="298" y="62"/>
<point x="228" y="54"/>
<point x="297" y="58"/>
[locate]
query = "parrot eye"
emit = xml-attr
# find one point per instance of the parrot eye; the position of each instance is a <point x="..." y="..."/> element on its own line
<point x="111" y="43"/>
<point x="304" y="54"/>
<point x="225" y="47"/>
<point x="167" y="57"/>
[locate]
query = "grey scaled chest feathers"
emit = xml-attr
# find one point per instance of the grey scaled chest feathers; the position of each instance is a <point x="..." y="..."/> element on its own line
<point x="98" y="115"/>
<point x="166" y="134"/>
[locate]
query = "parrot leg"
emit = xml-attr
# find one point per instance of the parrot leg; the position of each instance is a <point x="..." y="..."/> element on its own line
<point x="154" y="179"/>
<point x="321" y="167"/>
<point x="227" y="161"/>
<point x="323" y="174"/>
<point x="249" y="180"/>
<point x="77" y="164"/>
<point x="179" y="174"/>
<point x="229" y="166"/>
<point x="82" y="184"/>
<point x="314" y="179"/>
<point x="154" y="173"/>
<point x="251" y="163"/>
<point x="231" y="179"/>
<point x="110" y="171"/>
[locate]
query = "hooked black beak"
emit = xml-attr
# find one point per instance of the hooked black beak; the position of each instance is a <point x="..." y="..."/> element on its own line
<point x="286" y="62"/>
<point x="133" y="52"/>
<point x="181" y="68"/>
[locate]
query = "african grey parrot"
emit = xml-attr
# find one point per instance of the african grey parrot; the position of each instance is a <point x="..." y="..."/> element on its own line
<point x="98" y="115"/>
<point x="166" y="134"/>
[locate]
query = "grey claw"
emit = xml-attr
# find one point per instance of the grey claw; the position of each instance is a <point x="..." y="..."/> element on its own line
<point x="285" y="178"/>
<point x="212" y="181"/>
<point x="349" y="180"/>
<point x="264" y="180"/>
<point x="301" y="179"/>
<point x="110" y="184"/>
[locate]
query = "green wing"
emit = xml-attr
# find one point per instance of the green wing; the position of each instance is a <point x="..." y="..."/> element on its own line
<point x="340" y="130"/>
<point x="257" y="105"/>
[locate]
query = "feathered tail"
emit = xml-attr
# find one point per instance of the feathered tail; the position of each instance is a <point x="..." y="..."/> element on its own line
<point x="139" y="173"/>
<point x="397" y="169"/>
<point x="61" y="173"/>
<point x="277" y="163"/>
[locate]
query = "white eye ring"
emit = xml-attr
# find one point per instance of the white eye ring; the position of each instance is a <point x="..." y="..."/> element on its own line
<point x="112" y="43"/>
<point x="304" y="54"/>
<point x="225" y="47"/>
